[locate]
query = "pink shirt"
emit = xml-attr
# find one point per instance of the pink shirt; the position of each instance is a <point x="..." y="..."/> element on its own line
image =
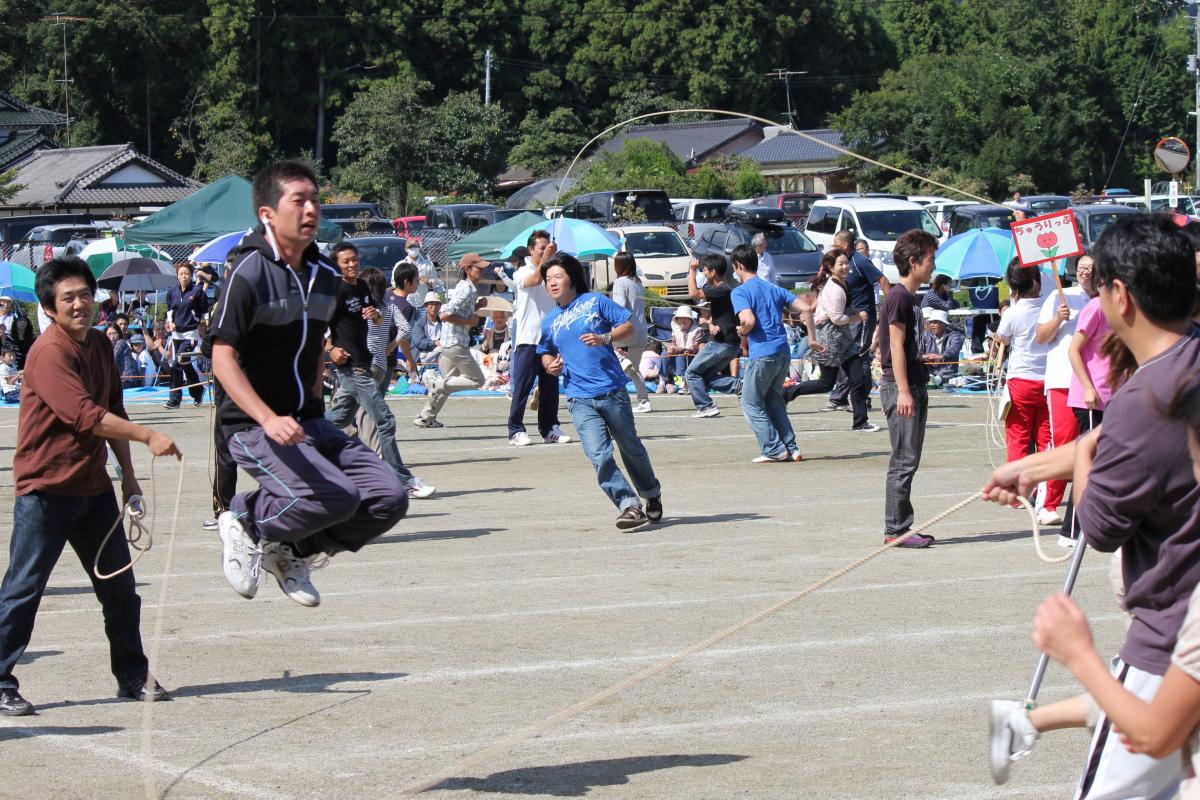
<point x="1092" y="324"/>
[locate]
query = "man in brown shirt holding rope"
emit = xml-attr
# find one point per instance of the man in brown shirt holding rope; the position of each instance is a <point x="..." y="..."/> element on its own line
<point x="71" y="408"/>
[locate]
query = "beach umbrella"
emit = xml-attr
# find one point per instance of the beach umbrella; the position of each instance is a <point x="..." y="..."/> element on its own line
<point x="17" y="282"/>
<point x="138" y="274"/>
<point x="214" y="252"/>
<point x="578" y="237"/>
<point x="101" y="253"/>
<point x="978" y="253"/>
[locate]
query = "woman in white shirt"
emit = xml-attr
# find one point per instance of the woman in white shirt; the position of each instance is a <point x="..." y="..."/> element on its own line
<point x="627" y="292"/>
<point x="833" y="331"/>
<point x="1028" y="420"/>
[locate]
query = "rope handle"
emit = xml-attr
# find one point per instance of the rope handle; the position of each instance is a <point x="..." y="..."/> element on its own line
<point x="140" y="535"/>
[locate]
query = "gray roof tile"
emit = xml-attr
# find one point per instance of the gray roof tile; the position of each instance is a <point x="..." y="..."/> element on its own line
<point x="75" y="177"/>
<point x="16" y="113"/>
<point x="788" y="147"/>
<point x="688" y="140"/>
<point x="17" y="147"/>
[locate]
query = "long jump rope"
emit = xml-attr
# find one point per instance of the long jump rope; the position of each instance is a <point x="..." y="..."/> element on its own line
<point x="140" y="537"/>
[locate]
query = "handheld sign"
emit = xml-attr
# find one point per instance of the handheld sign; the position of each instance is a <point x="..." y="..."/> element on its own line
<point x="1047" y="238"/>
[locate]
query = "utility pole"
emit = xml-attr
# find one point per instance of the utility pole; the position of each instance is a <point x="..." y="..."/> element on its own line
<point x="60" y="21"/>
<point x="786" y="76"/>
<point x="487" y="77"/>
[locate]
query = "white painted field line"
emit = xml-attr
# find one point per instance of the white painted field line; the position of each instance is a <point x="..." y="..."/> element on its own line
<point x="133" y="759"/>
<point x="291" y="631"/>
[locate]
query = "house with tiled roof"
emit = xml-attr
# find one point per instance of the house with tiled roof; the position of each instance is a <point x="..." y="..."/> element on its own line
<point x="694" y="142"/>
<point x="24" y="129"/>
<point x="104" y="180"/>
<point x="796" y="163"/>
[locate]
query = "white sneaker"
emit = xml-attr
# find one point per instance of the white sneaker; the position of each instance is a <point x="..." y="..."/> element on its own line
<point x="1046" y="517"/>
<point x="785" y="456"/>
<point x="869" y="427"/>
<point x="711" y="411"/>
<point x="641" y="407"/>
<point x="419" y="490"/>
<point x="241" y="557"/>
<point x="520" y="439"/>
<point x="556" y="436"/>
<point x="292" y="573"/>
<point x="1065" y="541"/>
<point x="1012" y="735"/>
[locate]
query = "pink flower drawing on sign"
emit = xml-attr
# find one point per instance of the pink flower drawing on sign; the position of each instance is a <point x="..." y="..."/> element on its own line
<point x="1048" y="243"/>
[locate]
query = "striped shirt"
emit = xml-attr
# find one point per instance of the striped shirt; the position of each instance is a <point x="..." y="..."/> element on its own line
<point x="380" y="336"/>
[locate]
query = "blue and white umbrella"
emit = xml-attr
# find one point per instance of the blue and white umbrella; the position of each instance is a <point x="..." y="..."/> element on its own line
<point x="578" y="237"/>
<point x="214" y="252"/>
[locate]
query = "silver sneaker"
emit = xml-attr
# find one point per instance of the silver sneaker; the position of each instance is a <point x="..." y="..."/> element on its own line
<point x="292" y="572"/>
<point x="241" y="557"/>
<point x="704" y="413"/>
<point x="1012" y="736"/>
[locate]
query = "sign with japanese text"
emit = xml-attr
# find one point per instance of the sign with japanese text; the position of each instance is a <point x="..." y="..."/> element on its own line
<point x="1046" y="238"/>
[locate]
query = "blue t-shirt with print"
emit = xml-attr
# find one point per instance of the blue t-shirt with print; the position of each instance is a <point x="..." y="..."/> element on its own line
<point x="588" y="370"/>
<point x="767" y="301"/>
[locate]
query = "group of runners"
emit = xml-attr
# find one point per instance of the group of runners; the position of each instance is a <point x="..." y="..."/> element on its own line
<point x="320" y="492"/>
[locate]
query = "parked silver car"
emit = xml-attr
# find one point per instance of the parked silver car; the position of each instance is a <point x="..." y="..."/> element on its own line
<point x="52" y="241"/>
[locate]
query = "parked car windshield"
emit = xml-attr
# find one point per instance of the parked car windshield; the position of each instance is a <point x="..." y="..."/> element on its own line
<point x="798" y="205"/>
<point x="1046" y="206"/>
<point x="381" y="255"/>
<point x="655" y="244"/>
<point x="887" y="226"/>
<point x="654" y="205"/>
<point x="782" y="241"/>
<point x="1098" y="222"/>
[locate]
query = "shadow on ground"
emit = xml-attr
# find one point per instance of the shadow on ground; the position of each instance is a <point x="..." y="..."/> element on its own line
<point x="710" y="519"/>
<point x="492" y="490"/>
<point x="577" y="779"/>
<point x="434" y="536"/>
<point x="849" y="456"/>
<point x="315" y="683"/>
<point x="32" y="732"/>
<point x="33" y="655"/>
<point x="52" y="591"/>
<point x="1048" y="538"/>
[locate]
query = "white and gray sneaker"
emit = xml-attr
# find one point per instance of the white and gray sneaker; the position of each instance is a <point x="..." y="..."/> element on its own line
<point x="419" y="490"/>
<point x="240" y="555"/>
<point x="710" y="411"/>
<point x="556" y="436"/>
<point x="1012" y="735"/>
<point x="292" y="572"/>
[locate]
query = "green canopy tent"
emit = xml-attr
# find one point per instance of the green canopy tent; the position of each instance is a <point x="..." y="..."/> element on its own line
<point x="488" y="241"/>
<point x="220" y="207"/>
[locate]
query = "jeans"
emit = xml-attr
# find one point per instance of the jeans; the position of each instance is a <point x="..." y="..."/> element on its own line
<point x="670" y="366"/>
<point x="702" y="376"/>
<point x="763" y="404"/>
<point x="526" y="370"/>
<point x="908" y="437"/>
<point x="368" y="432"/>
<point x="42" y="524"/>
<point x="857" y="383"/>
<point x="359" y="388"/>
<point x="600" y="421"/>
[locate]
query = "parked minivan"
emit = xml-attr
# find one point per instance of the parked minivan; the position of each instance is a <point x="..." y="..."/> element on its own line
<point x="53" y="241"/>
<point x="978" y="215"/>
<point x="696" y="216"/>
<point x="602" y="207"/>
<point x="474" y="220"/>
<point x="880" y="221"/>
<point x="795" y="204"/>
<point x="451" y="215"/>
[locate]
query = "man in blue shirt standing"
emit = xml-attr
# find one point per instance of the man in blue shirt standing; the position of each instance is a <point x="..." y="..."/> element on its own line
<point x="186" y="305"/>
<point x="577" y="343"/>
<point x="759" y="306"/>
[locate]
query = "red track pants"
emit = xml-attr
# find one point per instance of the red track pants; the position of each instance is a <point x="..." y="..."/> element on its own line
<point x="1028" y="422"/>
<point x="1064" y="428"/>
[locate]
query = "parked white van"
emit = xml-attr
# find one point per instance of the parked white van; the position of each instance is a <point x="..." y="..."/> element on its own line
<point x="880" y="221"/>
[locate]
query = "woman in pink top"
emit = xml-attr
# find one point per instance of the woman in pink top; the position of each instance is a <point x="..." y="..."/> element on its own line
<point x="1090" y="390"/>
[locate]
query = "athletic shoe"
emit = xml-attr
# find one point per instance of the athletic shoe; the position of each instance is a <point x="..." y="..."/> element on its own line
<point x="654" y="508"/>
<point x="421" y="422"/>
<point x="1065" y="541"/>
<point x="520" y="439"/>
<point x="641" y="407"/>
<point x="796" y="456"/>
<point x="916" y="541"/>
<point x="171" y="405"/>
<point x="241" y="556"/>
<point x="1012" y="735"/>
<point x="13" y="705"/>
<point x="784" y="456"/>
<point x="832" y="406"/>
<point x="291" y="571"/>
<point x="870" y="427"/>
<point x="556" y="436"/>
<point x="1047" y="517"/>
<point x="137" y="691"/>
<point x="199" y="401"/>
<point x="210" y="524"/>
<point x="419" y="491"/>
<point x="704" y="413"/>
<point x="632" y="517"/>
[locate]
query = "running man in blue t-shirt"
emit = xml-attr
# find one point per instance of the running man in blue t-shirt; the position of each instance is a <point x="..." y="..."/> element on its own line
<point x="759" y="306"/>
<point x="577" y="343"/>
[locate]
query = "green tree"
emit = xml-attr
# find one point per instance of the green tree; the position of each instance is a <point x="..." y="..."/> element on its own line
<point x="639" y="164"/>
<point x="546" y="143"/>
<point x="379" y="141"/>
<point x="464" y="145"/>
<point x="8" y="185"/>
